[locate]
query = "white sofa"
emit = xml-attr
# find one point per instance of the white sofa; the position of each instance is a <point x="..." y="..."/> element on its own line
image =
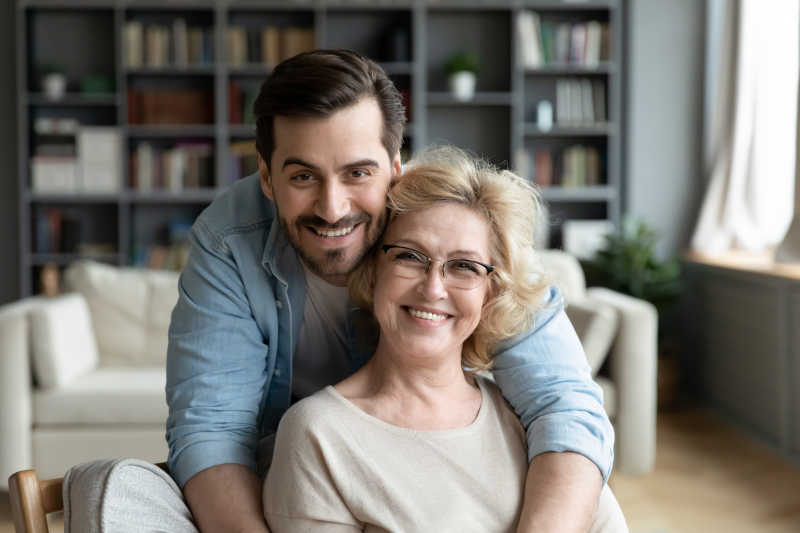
<point x="619" y="334"/>
<point x="97" y="357"/>
<point x="82" y="375"/>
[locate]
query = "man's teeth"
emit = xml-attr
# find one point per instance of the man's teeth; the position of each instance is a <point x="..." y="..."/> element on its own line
<point x="426" y="315"/>
<point x="334" y="233"/>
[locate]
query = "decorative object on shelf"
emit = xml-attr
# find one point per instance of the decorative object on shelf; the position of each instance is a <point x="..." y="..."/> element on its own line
<point x="544" y="115"/>
<point x="96" y="84"/>
<point x="584" y="238"/>
<point x="50" y="280"/>
<point x="54" y="85"/>
<point x="462" y="70"/>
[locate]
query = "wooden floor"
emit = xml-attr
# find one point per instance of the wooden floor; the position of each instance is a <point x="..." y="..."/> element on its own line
<point x="709" y="478"/>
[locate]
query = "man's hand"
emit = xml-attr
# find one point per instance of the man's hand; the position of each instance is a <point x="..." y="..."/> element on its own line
<point x="561" y="494"/>
<point x="226" y="499"/>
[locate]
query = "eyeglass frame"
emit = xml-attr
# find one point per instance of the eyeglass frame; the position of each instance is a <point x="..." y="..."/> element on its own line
<point x="489" y="268"/>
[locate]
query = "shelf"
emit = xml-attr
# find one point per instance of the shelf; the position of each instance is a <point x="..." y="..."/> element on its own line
<point x="185" y="196"/>
<point x="397" y="68"/>
<point x="74" y="99"/>
<point x="62" y="259"/>
<point x="480" y="99"/>
<point x="171" y="130"/>
<point x="242" y="130"/>
<point x="584" y="130"/>
<point x="597" y="193"/>
<point x="72" y="197"/>
<point x="252" y="69"/>
<point x="568" y="70"/>
<point x="171" y="70"/>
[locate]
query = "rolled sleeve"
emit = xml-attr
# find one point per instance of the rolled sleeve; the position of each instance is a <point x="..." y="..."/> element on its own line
<point x="216" y="365"/>
<point x="545" y="377"/>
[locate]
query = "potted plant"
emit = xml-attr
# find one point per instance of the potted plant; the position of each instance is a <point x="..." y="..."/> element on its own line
<point x="462" y="68"/>
<point x="628" y="264"/>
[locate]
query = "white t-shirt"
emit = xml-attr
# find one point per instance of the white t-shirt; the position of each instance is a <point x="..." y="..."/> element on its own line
<point x="321" y="354"/>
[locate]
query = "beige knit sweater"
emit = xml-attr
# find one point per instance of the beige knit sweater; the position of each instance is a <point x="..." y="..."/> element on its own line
<point x="336" y="468"/>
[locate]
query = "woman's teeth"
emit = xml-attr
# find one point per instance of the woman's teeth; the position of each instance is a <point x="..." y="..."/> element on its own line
<point x="426" y="315"/>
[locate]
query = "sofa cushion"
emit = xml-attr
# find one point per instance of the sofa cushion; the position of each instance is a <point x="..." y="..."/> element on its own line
<point x="63" y="340"/>
<point x="565" y="271"/>
<point x="105" y="396"/>
<point x="596" y="324"/>
<point x="130" y="310"/>
<point x="609" y="395"/>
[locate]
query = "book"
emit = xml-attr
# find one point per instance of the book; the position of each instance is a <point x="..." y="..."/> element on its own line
<point x="271" y="46"/>
<point x="543" y="167"/>
<point x="53" y="174"/>
<point x="562" y="43"/>
<point x="236" y="41"/>
<point x="295" y="41"/>
<point x="594" y="32"/>
<point x="133" y="39"/>
<point x="180" y="43"/>
<point x="99" y="153"/>
<point x="529" y="30"/>
<point x="599" y="101"/>
<point x="577" y="44"/>
<point x="587" y="101"/>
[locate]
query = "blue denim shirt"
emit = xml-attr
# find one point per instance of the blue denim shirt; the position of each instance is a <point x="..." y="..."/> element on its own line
<point x="235" y="328"/>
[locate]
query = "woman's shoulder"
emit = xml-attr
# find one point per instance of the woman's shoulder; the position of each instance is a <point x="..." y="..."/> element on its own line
<point x="314" y="414"/>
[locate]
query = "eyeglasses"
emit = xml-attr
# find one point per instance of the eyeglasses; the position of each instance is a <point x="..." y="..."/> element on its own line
<point x="456" y="273"/>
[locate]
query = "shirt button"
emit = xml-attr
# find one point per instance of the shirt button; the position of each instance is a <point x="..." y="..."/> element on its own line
<point x="278" y="304"/>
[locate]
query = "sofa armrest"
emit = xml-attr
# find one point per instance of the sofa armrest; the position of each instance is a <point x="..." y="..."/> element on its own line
<point x="633" y="365"/>
<point x="15" y="390"/>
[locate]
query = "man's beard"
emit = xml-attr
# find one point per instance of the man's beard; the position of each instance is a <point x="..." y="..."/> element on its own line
<point x="334" y="262"/>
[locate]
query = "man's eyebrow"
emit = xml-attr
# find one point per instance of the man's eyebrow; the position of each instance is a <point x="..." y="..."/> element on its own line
<point x="298" y="161"/>
<point x="360" y="163"/>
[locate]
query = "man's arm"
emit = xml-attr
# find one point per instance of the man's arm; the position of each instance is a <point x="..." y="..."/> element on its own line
<point x="226" y="498"/>
<point x="561" y="493"/>
<point x="216" y="367"/>
<point x="546" y="379"/>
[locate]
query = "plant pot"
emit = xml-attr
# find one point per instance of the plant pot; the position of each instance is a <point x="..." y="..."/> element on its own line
<point x="462" y="86"/>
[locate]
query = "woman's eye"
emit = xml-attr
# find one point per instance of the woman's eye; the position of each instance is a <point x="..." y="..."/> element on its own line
<point x="466" y="267"/>
<point x="408" y="256"/>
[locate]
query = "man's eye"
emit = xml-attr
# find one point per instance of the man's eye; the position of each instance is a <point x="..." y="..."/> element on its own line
<point x="359" y="173"/>
<point x="303" y="177"/>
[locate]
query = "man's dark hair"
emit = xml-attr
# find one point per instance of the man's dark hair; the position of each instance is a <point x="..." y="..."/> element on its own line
<point x="319" y="83"/>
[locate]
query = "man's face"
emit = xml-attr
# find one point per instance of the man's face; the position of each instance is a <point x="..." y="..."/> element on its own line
<point x="328" y="179"/>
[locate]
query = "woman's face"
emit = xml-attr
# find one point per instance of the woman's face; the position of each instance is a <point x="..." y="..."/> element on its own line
<point x="426" y="316"/>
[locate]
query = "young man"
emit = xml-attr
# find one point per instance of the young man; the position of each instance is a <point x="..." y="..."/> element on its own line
<point x="263" y="317"/>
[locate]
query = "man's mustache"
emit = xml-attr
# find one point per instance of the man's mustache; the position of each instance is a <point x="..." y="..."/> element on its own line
<point x="345" y="222"/>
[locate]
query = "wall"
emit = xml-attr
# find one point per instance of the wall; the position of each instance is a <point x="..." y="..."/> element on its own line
<point x="9" y="197"/>
<point x="664" y="117"/>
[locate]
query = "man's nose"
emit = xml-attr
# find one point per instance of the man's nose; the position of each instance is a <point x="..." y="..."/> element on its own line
<point x="333" y="202"/>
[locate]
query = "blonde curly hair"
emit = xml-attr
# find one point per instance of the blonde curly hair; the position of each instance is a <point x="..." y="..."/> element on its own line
<point x="509" y="204"/>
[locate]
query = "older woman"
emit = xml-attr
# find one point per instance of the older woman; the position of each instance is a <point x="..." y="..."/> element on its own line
<point x="416" y="440"/>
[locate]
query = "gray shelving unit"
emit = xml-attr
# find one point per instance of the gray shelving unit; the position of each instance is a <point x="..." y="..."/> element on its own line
<point x="86" y="36"/>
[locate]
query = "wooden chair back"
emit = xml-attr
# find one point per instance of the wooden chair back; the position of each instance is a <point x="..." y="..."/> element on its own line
<point x="32" y="499"/>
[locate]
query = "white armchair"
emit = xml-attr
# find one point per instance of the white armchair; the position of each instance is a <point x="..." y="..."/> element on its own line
<point x="82" y="375"/>
<point x="619" y="335"/>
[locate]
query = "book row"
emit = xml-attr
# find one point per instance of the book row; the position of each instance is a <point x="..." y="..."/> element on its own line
<point x="572" y="166"/>
<point x="547" y="42"/>
<point x="269" y="45"/>
<point x="580" y="101"/>
<point x="158" y="46"/>
<point x="187" y="165"/>
<point x="170" y="106"/>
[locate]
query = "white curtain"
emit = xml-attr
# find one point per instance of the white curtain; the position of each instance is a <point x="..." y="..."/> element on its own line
<point x="750" y="145"/>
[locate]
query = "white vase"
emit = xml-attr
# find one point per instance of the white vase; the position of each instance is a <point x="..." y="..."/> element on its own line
<point x="462" y="86"/>
<point x="54" y="86"/>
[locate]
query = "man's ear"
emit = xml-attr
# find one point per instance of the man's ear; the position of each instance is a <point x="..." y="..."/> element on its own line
<point x="397" y="168"/>
<point x="265" y="178"/>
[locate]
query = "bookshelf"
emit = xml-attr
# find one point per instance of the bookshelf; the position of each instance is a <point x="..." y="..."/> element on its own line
<point x="221" y="70"/>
